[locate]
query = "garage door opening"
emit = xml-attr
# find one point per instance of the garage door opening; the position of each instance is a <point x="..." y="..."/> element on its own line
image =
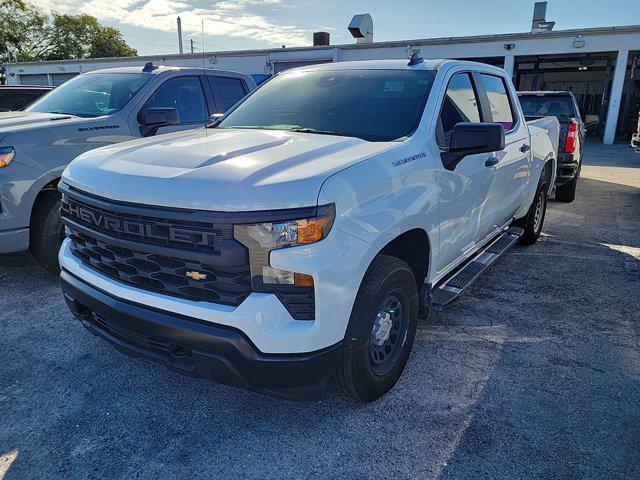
<point x="588" y="77"/>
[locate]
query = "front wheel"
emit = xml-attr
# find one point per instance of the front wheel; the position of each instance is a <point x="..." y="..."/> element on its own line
<point x="46" y="232"/>
<point x="533" y="221"/>
<point x="381" y="330"/>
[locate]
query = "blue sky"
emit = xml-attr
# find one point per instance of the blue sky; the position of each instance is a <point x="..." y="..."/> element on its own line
<point x="149" y="25"/>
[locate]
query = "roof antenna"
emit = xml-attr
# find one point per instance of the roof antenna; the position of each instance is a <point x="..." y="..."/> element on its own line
<point x="414" y="59"/>
<point x="149" y="67"/>
<point x="203" y="49"/>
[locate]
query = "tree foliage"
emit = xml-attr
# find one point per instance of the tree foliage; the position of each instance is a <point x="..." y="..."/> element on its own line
<point x="28" y="34"/>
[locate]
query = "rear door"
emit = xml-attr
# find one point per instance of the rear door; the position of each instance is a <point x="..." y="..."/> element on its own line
<point x="227" y="91"/>
<point x="511" y="173"/>
<point x="463" y="192"/>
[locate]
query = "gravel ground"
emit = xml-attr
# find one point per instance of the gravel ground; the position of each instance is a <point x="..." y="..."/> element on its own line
<point x="533" y="373"/>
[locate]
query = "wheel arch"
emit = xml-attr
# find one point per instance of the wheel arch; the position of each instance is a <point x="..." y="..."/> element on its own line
<point x="50" y="186"/>
<point x="414" y="247"/>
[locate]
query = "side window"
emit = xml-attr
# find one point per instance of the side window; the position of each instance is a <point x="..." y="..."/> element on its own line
<point x="226" y="91"/>
<point x="499" y="101"/>
<point x="460" y="105"/>
<point x="185" y="95"/>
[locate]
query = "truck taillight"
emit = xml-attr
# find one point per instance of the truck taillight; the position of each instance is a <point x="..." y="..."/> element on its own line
<point x="572" y="137"/>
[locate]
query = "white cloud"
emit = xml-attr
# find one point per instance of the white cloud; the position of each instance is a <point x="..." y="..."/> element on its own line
<point x="233" y="18"/>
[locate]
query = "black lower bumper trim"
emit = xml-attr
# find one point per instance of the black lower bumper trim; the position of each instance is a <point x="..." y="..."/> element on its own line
<point x="568" y="166"/>
<point x="193" y="347"/>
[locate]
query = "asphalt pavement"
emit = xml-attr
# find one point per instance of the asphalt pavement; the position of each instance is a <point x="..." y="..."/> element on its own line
<point x="533" y="373"/>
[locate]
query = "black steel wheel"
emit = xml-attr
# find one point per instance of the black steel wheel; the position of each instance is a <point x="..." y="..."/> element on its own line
<point x="389" y="332"/>
<point x="381" y="330"/>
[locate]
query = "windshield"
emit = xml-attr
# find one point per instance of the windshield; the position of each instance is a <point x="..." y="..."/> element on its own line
<point x="375" y="105"/>
<point x="92" y="94"/>
<point x="552" y="105"/>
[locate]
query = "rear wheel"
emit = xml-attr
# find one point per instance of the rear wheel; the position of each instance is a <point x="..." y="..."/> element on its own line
<point x="533" y="221"/>
<point x="381" y="330"/>
<point x="46" y="231"/>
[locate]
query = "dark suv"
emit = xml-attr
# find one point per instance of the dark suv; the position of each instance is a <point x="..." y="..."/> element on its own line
<point x="564" y="107"/>
<point x="16" y="97"/>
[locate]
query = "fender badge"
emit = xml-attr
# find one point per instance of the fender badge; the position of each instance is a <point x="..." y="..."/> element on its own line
<point x="196" y="275"/>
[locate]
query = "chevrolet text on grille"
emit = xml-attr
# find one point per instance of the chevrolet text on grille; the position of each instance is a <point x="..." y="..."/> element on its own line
<point x="141" y="229"/>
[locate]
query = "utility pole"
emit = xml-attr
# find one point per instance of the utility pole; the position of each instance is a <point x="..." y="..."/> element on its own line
<point x="191" y="40"/>
<point x="180" y="36"/>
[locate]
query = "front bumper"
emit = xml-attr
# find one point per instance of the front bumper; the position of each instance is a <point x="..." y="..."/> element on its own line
<point x="14" y="241"/>
<point x="192" y="347"/>
<point x="635" y="141"/>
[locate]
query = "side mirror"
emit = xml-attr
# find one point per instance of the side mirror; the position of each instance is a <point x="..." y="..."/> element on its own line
<point x="214" y="119"/>
<point x="470" y="139"/>
<point x="154" y="118"/>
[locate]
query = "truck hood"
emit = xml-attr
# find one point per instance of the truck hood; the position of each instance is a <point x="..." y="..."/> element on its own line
<point x="220" y="169"/>
<point x="10" y="120"/>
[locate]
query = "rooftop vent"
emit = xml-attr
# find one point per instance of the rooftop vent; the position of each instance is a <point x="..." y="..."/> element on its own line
<point x="539" y="22"/>
<point x="361" y="27"/>
<point x="320" y="39"/>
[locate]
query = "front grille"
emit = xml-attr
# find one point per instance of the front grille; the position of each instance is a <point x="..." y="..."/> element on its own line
<point x="182" y="253"/>
<point x="152" y="230"/>
<point x="162" y="273"/>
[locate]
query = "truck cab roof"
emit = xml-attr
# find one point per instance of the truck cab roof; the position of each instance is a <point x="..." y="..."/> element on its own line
<point x="424" y="64"/>
<point x="160" y="69"/>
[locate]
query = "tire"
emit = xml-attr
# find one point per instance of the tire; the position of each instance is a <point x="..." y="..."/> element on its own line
<point x="533" y="221"/>
<point x="380" y="332"/>
<point x="46" y="232"/>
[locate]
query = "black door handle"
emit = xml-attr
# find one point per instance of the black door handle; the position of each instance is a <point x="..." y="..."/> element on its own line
<point x="525" y="148"/>
<point x="491" y="162"/>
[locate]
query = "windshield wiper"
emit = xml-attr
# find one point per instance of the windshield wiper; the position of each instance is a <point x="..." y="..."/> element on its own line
<point x="65" y="113"/>
<point x="313" y="130"/>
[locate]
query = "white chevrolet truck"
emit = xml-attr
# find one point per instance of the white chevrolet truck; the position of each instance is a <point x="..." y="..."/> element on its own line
<point x="300" y="238"/>
<point x="91" y="110"/>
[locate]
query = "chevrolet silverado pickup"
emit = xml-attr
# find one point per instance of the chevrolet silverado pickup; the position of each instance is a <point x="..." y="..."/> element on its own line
<point x="91" y="110"/>
<point x="573" y="132"/>
<point x="299" y="238"/>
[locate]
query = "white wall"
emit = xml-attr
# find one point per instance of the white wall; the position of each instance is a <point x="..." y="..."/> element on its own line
<point x="252" y="62"/>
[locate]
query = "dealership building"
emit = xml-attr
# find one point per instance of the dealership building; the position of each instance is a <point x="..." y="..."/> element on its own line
<point x="599" y="65"/>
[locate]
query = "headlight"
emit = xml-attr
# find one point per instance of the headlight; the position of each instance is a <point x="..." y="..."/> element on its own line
<point x="6" y="155"/>
<point x="262" y="238"/>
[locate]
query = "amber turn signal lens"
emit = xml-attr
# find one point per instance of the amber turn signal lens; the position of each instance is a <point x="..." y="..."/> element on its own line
<point x="303" y="280"/>
<point x="311" y="231"/>
<point x="6" y="155"/>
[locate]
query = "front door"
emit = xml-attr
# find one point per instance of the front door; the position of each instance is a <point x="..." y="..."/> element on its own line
<point x="463" y="192"/>
<point x="186" y="95"/>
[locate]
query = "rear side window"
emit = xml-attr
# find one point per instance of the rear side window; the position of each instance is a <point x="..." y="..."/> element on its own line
<point x="499" y="101"/>
<point x="226" y="91"/>
<point x="460" y="105"/>
<point x="185" y="95"/>
<point x="543" y="105"/>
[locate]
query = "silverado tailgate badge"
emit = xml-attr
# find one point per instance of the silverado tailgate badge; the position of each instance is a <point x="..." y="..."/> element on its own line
<point x="196" y="275"/>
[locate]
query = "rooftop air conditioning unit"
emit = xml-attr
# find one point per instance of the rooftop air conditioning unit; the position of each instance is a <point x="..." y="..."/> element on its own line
<point x="361" y="27"/>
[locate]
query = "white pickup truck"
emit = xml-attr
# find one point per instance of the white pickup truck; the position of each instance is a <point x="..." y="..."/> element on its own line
<point x="94" y="109"/>
<point x="299" y="238"/>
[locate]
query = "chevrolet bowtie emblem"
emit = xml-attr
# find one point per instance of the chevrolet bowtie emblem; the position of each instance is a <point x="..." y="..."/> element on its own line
<point x="196" y="275"/>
